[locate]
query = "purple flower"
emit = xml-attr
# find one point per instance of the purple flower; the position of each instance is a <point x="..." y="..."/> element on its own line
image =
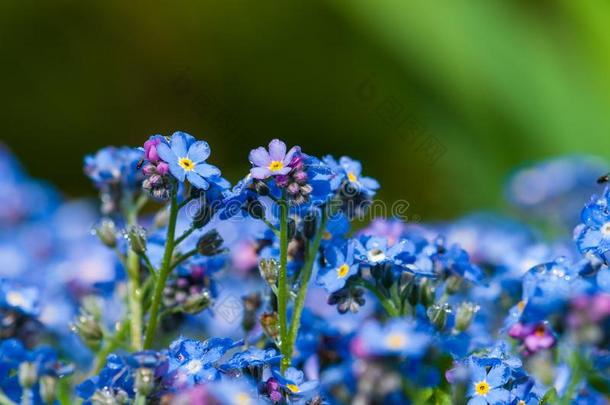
<point x="534" y="337"/>
<point x="274" y="162"/>
<point x="186" y="158"/>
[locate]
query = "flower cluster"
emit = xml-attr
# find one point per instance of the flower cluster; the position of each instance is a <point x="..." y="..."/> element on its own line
<point x="188" y="290"/>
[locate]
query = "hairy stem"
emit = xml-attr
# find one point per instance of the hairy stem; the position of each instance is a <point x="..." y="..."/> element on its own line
<point x="302" y="294"/>
<point x="282" y="296"/>
<point x="166" y="268"/>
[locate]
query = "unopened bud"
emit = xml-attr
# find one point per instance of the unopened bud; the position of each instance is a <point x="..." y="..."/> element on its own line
<point x="203" y="215"/>
<point x="209" y="244"/>
<point x="270" y="324"/>
<point x="145" y="381"/>
<point x="136" y="235"/>
<point x="255" y="209"/>
<point x="48" y="389"/>
<point x="28" y="374"/>
<point x="106" y="231"/>
<point x="252" y="303"/>
<point x="437" y="314"/>
<point x="269" y="269"/>
<point x="197" y="302"/>
<point x="88" y="328"/>
<point x="452" y="284"/>
<point x="465" y="314"/>
<point x="309" y="225"/>
<point x="261" y="188"/>
<point x="426" y="293"/>
<point x="292" y="228"/>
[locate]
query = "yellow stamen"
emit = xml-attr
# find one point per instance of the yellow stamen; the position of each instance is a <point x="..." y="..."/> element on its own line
<point x="396" y="340"/>
<point x="293" y="388"/>
<point x="352" y="177"/>
<point x="521" y="305"/>
<point x="521" y="402"/>
<point x="243" y="399"/>
<point x="342" y="270"/>
<point x="481" y="388"/>
<point x="186" y="163"/>
<point x="276" y="165"/>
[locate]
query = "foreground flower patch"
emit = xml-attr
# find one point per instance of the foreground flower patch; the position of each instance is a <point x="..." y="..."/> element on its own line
<point x="184" y="289"/>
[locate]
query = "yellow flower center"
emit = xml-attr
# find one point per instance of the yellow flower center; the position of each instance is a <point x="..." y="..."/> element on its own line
<point x="396" y="340"/>
<point x="352" y="177"/>
<point x="521" y="402"/>
<point x="293" y="388"/>
<point x="186" y="163"/>
<point x="243" y="399"/>
<point x="276" y="165"/>
<point x="482" y="388"/>
<point x="342" y="270"/>
<point x="15" y="299"/>
<point x="521" y="305"/>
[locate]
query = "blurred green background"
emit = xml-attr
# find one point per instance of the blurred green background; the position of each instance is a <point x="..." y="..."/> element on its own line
<point x="440" y="100"/>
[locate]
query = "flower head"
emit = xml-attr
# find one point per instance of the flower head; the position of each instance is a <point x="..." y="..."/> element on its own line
<point x="340" y="266"/>
<point x="273" y="162"/>
<point x="187" y="159"/>
<point x="487" y="383"/>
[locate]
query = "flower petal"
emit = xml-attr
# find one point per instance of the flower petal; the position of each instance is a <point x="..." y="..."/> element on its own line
<point x="291" y="153"/>
<point x="197" y="181"/>
<point x="260" y="173"/>
<point x="180" y="142"/>
<point x="259" y="157"/>
<point x="277" y="150"/>
<point x="498" y="396"/>
<point x="165" y="153"/>
<point x="477" y="400"/>
<point x="497" y="376"/>
<point x="177" y="171"/>
<point x="199" y="151"/>
<point x="207" y="170"/>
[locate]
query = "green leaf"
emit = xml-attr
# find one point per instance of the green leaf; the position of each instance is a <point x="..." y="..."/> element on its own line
<point x="550" y="397"/>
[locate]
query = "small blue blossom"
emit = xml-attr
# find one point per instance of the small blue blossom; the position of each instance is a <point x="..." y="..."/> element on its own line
<point x="293" y="382"/>
<point x="349" y="172"/>
<point x="486" y="384"/>
<point x="593" y="234"/>
<point x="114" y="166"/>
<point x="396" y="337"/>
<point x="340" y="266"/>
<point x="187" y="160"/>
<point x="252" y="357"/>
<point x="192" y="362"/>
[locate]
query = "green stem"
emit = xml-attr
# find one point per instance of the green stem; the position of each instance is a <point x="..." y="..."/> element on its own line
<point x="166" y="268"/>
<point x="576" y="371"/>
<point x="282" y="297"/>
<point x="386" y="302"/>
<point x="302" y="294"/>
<point x="185" y="235"/>
<point x="26" y="396"/>
<point x="140" y="399"/>
<point x="184" y="257"/>
<point x="135" y="293"/>
<point x="111" y="346"/>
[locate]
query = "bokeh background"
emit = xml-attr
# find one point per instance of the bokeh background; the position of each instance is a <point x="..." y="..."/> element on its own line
<point x="440" y="101"/>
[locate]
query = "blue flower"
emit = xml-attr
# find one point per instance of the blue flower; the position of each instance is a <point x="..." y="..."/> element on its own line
<point x="252" y="357"/>
<point x="350" y="172"/>
<point x="293" y="382"/>
<point x="114" y="166"/>
<point x="486" y="384"/>
<point x="24" y="300"/>
<point x="234" y="392"/>
<point x="340" y="266"/>
<point x="396" y="337"/>
<point x="593" y="234"/>
<point x="192" y="361"/>
<point x="186" y="158"/>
